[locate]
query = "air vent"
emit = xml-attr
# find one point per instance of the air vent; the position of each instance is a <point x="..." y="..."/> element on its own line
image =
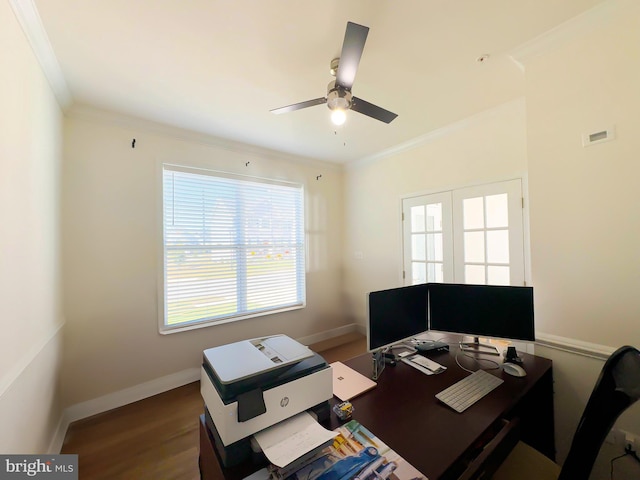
<point x="598" y="136"/>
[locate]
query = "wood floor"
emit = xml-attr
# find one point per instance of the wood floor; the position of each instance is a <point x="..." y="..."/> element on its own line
<point x="157" y="438"/>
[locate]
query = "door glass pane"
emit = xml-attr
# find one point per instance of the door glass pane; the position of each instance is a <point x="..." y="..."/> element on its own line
<point x="473" y="213"/>
<point x="417" y="218"/>
<point x="498" y="275"/>
<point x="474" y="274"/>
<point x="474" y="247"/>
<point x="434" y="217"/>
<point x="434" y="247"/>
<point x="418" y="247"/>
<point x="498" y="246"/>
<point x="418" y="273"/>
<point x="436" y="273"/>
<point x="497" y="210"/>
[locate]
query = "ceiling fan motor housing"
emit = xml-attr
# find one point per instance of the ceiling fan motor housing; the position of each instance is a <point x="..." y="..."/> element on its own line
<point x="338" y="98"/>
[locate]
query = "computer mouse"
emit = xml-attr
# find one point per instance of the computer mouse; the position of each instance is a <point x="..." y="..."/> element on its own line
<point x="513" y="369"/>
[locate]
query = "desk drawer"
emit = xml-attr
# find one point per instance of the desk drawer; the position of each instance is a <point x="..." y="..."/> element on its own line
<point x="494" y="452"/>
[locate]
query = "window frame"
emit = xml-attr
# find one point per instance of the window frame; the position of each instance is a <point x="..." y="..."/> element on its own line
<point x="452" y="238"/>
<point x="301" y="263"/>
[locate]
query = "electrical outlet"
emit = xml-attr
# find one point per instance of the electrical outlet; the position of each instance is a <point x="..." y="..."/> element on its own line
<point x="630" y="442"/>
<point x="624" y="439"/>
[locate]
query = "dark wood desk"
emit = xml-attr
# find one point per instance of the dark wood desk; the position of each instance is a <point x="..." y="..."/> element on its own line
<point x="403" y="411"/>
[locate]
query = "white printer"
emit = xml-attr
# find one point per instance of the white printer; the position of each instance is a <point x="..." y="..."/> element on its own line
<point x="250" y="385"/>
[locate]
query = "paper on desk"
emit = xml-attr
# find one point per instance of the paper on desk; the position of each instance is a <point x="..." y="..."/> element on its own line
<point x="288" y="440"/>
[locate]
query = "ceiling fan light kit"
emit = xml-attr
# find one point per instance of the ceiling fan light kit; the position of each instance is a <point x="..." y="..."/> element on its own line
<point x="338" y="101"/>
<point x="339" y="98"/>
<point x="338" y="117"/>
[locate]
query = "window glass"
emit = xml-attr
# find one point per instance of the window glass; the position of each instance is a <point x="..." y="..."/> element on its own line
<point x="233" y="247"/>
<point x="497" y="275"/>
<point x="466" y="235"/>
<point x="474" y="247"/>
<point x="473" y="211"/>
<point x="498" y="246"/>
<point x="417" y="219"/>
<point x="497" y="210"/>
<point x="474" y="274"/>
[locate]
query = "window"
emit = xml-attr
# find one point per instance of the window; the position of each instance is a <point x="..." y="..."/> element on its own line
<point x="427" y="240"/>
<point x="469" y="235"/>
<point x="233" y="247"/>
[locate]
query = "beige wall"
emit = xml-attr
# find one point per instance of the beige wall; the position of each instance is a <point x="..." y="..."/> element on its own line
<point x="585" y="214"/>
<point x="583" y="218"/>
<point x="585" y="227"/>
<point x="583" y="206"/>
<point x="488" y="147"/>
<point x="111" y="241"/>
<point x="30" y="312"/>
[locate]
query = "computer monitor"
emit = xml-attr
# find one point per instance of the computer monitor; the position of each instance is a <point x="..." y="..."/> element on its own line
<point x="395" y="315"/>
<point x="482" y="311"/>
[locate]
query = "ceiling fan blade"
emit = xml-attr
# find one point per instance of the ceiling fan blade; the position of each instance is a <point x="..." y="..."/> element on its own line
<point x="352" y="48"/>
<point x="298" y="106"/>
<point x="372" y="110"/>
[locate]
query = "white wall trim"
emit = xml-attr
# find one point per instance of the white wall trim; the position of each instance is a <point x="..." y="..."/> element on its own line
<point x="576" y="26"/>
<point x="178" y="379"/>
<point x="131" y="394"/>
<point x="153" y="387"/>
<point x="93" y="114"/>
<point x="17" y="369"/>
<point x="55" y="446"/>
<point x="570" y="345"/>
<point x="119" y="399"/>
<point x="438" y="133"/>
<point x="327" y="334"/>
<point x="31" y="23"/>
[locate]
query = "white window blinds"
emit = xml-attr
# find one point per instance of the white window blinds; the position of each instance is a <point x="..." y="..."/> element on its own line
<point x="233" y="247"/>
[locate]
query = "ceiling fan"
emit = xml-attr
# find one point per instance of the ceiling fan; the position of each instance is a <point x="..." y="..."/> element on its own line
<point x="339" y="98"/>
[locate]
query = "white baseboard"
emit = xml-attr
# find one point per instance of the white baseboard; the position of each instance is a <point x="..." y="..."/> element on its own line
<point x="154" y="387"/>
<point x="178" y="379"/>
<point x="58" y="436"/>
<point x="119" y="399"/>
<point x="327" y="334"/>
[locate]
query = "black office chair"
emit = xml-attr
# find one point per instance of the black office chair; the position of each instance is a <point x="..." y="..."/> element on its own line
<point x="617" y="388"/>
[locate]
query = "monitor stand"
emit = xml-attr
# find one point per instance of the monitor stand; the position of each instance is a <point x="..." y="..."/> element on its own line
<point x="477" y="347"/>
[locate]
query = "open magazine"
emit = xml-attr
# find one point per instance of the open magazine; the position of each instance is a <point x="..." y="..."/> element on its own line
<point x="354" y="454"/>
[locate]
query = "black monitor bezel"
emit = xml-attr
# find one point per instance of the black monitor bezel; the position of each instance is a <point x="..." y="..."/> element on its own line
<point x="524" y="333"/>
<point x="397" y="340"/>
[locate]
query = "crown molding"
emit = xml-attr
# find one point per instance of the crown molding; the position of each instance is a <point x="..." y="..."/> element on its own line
<point x="27" y="15"/>
<point x="433" y="135"/>
<point x="579" y="25"/>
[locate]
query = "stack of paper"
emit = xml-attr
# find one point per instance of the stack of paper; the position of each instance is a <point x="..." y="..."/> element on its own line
<point x="290" y="442"/>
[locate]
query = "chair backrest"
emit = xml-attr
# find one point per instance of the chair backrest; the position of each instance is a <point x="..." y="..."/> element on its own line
<point x="617" y="388"/>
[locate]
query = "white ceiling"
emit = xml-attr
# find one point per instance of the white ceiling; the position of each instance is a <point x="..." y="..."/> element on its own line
<point x="218" y="66"/>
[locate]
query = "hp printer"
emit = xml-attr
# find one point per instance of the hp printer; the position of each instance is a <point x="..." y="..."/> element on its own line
<point x="250" y="385"/>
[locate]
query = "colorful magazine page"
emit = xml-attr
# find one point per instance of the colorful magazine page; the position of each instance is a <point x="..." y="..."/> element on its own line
<point x="356" y="454"/>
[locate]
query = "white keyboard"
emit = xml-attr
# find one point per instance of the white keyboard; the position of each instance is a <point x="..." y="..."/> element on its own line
<point x="469" y="390"/>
